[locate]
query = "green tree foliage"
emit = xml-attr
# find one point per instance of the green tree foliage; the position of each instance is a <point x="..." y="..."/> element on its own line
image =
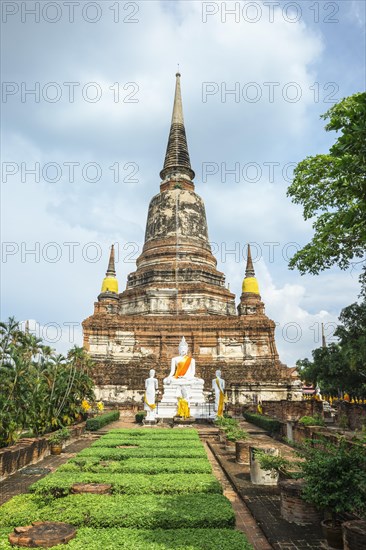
<point x="39" y="390"/>
<point x="332" y="189"/>
<point x="341" y="366"/>
<point x="335" y="476"/>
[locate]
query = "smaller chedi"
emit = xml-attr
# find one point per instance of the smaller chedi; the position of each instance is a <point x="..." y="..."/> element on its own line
<point x="183" y="391"/>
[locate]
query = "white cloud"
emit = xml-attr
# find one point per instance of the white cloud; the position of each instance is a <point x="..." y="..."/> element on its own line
<point x="357" y="12"/>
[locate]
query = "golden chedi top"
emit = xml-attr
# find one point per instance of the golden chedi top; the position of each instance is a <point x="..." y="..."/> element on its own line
<point x="250" y="283"/>
<point x="110" y="283"/>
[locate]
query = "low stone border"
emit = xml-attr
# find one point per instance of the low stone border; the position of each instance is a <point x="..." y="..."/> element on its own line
<point x="30" y="451"/>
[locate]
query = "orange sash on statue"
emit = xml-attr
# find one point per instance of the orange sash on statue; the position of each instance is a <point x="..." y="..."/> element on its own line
<point x="220" y="409"/>
<point x="183" y="366"/>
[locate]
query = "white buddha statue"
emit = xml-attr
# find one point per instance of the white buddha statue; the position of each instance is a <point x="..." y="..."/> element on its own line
<point x="183" y="367"/>
<point x="182" y="389"/>
<point x="151" y="386"/>
<point x="218" y="386"/>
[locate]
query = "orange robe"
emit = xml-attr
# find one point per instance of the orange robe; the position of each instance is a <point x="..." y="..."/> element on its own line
<point x="183" y="366"/>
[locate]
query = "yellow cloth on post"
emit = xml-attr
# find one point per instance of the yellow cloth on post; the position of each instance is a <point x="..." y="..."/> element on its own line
<point x="152" y="407"/>
<point x="183" y="366"/>
<point x="220" y="409"/>
<point x="183" y="408"/>
<point x="259" y="409"/>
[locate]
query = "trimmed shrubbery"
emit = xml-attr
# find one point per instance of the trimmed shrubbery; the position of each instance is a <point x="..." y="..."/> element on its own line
<point x="146" y="443"/>
<point x="105" y="453"/>
<point x="20" y="510"/>
<point x="142" y="539"/>
<point x="59" y="484"/>
<point x="97" y="422"/>
<point x="164" y="496"/>
<point x="139" y="466"/>
<point x="269" y="424"/>
<point x="139" y="417"/>
<point x="139" y="512"/>
<point x="315" y="420"/>
<point x="148" y="433"/>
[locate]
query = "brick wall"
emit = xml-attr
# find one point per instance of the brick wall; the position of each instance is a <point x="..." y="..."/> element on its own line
<point x="356" y="414"/>
<point x="30" y="451"/>
<point x="291" y="410"/>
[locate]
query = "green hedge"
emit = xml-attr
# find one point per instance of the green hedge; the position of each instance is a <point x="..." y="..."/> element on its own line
<point x="125" y="539"/>
<point x="139" y="512"/>
<point x="139" y="466"/>
<point x="316" y="420"/>
<point x="269" y="424"/>
<point x="97" y="422"/>
<point x="152" y="433"/>
<point x="20" y="510"/>
<point x="147" y="443"/>
<point x="59" y="484"/>
<point x="105" y="453"/>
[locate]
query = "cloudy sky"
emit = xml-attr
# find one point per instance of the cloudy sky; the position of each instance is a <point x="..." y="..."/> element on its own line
<point x="86" y="105"/>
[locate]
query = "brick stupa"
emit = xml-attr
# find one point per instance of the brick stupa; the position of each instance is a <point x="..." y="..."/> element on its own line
<point x="177" y="291"/>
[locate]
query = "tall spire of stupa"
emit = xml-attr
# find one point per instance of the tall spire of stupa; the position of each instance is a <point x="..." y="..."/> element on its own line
<point x="111" y="271"/>
<point x="110" y="283"/>
<point x="249" y="271"/>
<point x="177" y="164"/>
<point x="250" y="283"/>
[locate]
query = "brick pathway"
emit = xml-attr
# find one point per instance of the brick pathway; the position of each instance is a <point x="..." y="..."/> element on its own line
<point x="19" y="482"/>
<point x="244" y="519"/>
<point x="264" y="502"/>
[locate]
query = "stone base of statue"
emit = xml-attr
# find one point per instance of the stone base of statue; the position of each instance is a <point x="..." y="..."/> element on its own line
<point x="149" y="422"/>
<point x="176" y="388"/>
<point x="150" y="415"/>
<point x="184" y="421"/>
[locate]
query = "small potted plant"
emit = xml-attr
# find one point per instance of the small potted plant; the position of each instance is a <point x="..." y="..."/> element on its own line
<point x="57" y="439"/>
<point x="235" y="434"/>
<point x="275" y="464"/>
<point x="293" y="507"/>
<point x="225" y="424"/>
